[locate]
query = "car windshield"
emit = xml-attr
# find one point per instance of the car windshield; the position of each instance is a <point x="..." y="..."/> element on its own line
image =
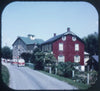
<point x="21" y="60"/>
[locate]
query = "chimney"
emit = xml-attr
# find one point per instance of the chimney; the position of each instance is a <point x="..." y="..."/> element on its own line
<point x="32" y="37"/>
<point x="54" y="34"/>
<point x="68" y="29"/>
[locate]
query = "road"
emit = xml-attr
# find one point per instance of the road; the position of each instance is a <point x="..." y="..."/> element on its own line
<point x="24" y="78"/>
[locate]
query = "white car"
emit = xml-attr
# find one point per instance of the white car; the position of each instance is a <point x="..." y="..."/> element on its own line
<point x="21" y="62"/>
<point x="14" y="61"/>
<point x="8" y="61"/>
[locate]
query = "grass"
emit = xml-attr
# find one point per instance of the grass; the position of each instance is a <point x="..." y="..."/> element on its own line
<point x="5" y="75"/>
<point x="78" y="85"/>
<point x="70" y="81"/>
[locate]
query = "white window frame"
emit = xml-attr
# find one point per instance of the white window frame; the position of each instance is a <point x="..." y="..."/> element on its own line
<point x="60" y="46"/>
<point x="77" y="58"/>
<point x="19" y="46"/>
<point x="76" y="47"/>
<point x="61" y="58"/>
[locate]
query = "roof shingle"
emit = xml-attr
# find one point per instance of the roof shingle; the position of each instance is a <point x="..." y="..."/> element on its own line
<point x="96" y="58"/>
<point x="59" y="36"/>
<point x="28" y="41"/>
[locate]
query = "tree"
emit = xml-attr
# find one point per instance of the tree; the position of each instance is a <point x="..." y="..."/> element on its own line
<point x="49" y="58"/>
<point x="6" y="52"/>
<point x="26" y="56"/>
<point x="65" y="68"/>
<point x="38" y="59"/>
<point x="91" y="43"/>
<point x="33" y="54"/>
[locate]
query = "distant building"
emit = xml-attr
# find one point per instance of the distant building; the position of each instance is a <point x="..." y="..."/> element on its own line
<point x="25" y="44"/>
<point x="66" y="47"/>
<point x="93" y="63"/>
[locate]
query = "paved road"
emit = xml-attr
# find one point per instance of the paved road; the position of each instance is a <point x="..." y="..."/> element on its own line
<point x="24" y="78"/>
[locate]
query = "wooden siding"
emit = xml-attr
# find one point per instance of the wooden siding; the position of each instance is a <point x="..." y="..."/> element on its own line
<point x="69" y="49"/>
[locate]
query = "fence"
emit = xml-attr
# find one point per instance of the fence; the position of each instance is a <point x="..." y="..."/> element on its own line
<point x="83" y="77"/>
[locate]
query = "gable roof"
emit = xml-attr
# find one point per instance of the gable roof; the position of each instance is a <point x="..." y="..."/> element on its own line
<point x="86" y="53"/>
<point x="96" y="58"/>
<point x="28" y="41"/>
<point x="59" y="36"/>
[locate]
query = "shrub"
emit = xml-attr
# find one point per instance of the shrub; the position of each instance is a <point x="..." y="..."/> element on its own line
<point x="82" y="77"/>
<point x="5" y="75"/>
<point x="39" y="61"/>
<point x="26" y="56"/>
<point x="93" y="77"/>
<point x="65" y="69"/>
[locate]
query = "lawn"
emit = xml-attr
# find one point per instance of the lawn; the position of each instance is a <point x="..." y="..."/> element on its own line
<point x="5" y="75"/>
<point x="70" y="81"/>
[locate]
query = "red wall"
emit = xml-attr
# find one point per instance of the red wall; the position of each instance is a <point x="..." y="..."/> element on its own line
<point x="69" y="49"/>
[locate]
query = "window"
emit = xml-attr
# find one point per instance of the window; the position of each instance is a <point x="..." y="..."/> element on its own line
<point x="63" y="38"/>
<point x="77" y="58"/>
<point x="76" y="47"/>
<point x="60" y="46"/>
<point x="19" y="46"/>
<point x="73" y="38"/>
<point x="61" y="58"/>
<point x="44" y="47"/>
<point x="14" y="46"/>
<point x="50" y="47"/>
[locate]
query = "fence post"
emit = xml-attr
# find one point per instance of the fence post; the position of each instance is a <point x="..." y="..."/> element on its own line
<point x="88" y="67"/>
<point x="50" y="70"/>
<point x="55" y="70"/>
<point x="88" y="78"/>
<point x="73" y="73"/>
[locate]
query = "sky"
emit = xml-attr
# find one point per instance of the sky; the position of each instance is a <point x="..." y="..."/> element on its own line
<point x="43" y="19"/>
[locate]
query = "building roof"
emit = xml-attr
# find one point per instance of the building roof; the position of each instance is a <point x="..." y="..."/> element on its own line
<point x="52" y="39"/>
<point x="96" y="58"/>
<point x="86" y="53"/>
<point x="59" y="36"/>
<point x="28" y="41"/>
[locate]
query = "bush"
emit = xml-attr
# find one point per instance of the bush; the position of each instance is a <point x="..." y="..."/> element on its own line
<point x="39" y="61"/>
<point x="65" y="69"/>
<point x="5" y="75"/>
<point x="39" y="65"/>
<point x="93" y="77"/>
<point x="82" y="77"/>
<point x="26" y="56"/>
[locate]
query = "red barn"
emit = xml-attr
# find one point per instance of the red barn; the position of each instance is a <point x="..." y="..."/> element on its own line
<point x="65" y="47"/>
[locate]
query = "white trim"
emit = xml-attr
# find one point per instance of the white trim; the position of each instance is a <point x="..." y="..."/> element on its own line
<point x="61" y="58"/>
<point x="76" y="47"/>
<point x="60" y="46"/>
<point x="76" y="58"/>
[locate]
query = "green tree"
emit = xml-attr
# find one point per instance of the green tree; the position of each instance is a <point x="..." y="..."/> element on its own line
<point x="91" y="43"/>
<point x="50" y="61"/>
<point x="38" y="59"/>
<point x="65" y="68"/>
<point x="33" y="54"/>
<point x="49" y="58"/>
<point x="6" y="52"/>
<point x="26" y="56"/>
